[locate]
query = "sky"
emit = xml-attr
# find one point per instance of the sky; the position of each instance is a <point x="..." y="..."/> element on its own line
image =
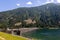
<point x="12" y="4"/>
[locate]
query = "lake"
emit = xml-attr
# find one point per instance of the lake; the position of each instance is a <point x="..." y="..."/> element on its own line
<point x="44" y="34"/>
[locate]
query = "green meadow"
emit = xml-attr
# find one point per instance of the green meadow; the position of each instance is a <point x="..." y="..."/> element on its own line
<point x="4" y="36"/>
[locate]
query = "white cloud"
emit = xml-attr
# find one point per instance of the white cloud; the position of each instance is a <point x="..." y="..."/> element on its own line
<point x="52" y="0"/>
<point x="58" y="1"/>
<point x="18" y="4"/>
<point x="48" y="1"/>
<point x="29" y="2"/>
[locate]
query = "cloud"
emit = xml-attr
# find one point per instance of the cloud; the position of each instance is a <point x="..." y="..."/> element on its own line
<point x="18" y="4"/>
<point x="48" y="1"/>
<point x="52" y="0"/>
<point x="58" y="1"/>
<point x="29" y="3"/>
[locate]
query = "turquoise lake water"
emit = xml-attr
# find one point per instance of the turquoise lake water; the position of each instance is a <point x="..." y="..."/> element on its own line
<point x="44" y="34"/>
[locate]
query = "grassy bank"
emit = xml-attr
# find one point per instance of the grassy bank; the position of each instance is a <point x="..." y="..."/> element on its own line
<point x="4" y="36"/>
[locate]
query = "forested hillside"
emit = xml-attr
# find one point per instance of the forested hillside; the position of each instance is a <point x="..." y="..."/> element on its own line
<point x="42" y="16"/>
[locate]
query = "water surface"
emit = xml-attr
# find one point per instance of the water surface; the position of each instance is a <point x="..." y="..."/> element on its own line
<point x="44" y="34"/>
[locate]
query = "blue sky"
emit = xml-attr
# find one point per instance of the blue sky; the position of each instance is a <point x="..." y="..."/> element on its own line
<point x="12" y="4"/>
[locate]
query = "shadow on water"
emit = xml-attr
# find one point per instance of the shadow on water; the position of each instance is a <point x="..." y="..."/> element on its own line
<point x="44" y="34"/>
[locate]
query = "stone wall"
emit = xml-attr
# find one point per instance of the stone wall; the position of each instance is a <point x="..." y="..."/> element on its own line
<point x="20" y="30"/>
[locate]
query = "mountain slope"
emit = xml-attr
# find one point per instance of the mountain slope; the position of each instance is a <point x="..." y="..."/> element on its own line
<point x="45" y="15"/>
